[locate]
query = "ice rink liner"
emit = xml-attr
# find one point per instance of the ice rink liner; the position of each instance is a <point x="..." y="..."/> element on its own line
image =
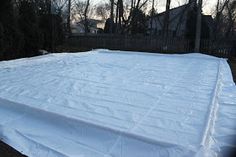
<point x="113" y="103"/>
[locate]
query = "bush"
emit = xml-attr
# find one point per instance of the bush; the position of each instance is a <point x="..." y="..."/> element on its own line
<point x="11" y="38"/>
<point x="138" y="23"/>
<point x="1" y="38"/>
<point x="109" y="25"/>
<point x="25" y="30"/>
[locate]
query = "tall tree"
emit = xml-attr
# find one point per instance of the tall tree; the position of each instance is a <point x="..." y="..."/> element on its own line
<point x="133" y="11"/>
<point x="138" y="22"/>
<point x="28" y="25"/>
<point x="69" y="17"/>
<point x="220" y="9"/>
<point x="119" y="15"/>
<point x="152" y="14"/>
<point x="83" y="10"/>
<point x="231" y="16"/>
<point x="103" y="11"/>
<point x="12" y="38"/>
<point x="50" y="24"/>
<point x="86" y="22"/>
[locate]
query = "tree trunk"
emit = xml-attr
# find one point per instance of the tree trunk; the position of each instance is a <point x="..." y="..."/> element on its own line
<point x="152" y="14"/>
<point x="86" y="23"/>
<point x="120" y="10"/>
<point x="231" y="21"/>
<point x="166" y="20"/>
<point x="132" y="4"/>
<point x="68" y="17"/>
<point x="111" y="16"/>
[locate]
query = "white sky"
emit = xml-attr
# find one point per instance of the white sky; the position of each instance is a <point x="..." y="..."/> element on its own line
<point x="208" y="5"/>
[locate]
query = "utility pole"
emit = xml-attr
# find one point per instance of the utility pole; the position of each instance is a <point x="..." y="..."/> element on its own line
<point x="199" y="27"/>
<point x="68" y="17"/>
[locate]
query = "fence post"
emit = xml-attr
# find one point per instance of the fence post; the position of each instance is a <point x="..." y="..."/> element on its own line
<point x="199" y="27"/>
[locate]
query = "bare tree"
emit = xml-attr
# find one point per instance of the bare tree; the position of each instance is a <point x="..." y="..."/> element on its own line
<point x="69" y="17"/>
<point x="86" y="24"/>
<point x="129" y="12"/>
<point x="102" y="10"/>
<point x="59" y="5"/>
<point x="231" y="17"/>
<point x="141" y="4"/>
<point x="220" y="7"/>
<point x="119" y="15"/>
<point x="82" y="9"/>
<point x="225" y="18"/>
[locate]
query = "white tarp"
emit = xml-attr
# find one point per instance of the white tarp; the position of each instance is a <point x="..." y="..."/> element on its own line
<point x="117" y="104"/>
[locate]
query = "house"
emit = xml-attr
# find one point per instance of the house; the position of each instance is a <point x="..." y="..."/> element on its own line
<point x="178" y="18"/>
<point x="79" y="27"/>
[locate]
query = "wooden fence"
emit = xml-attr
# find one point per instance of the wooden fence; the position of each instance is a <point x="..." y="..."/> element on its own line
<point x="221" y="48"/>
<point x="224" y="48"/>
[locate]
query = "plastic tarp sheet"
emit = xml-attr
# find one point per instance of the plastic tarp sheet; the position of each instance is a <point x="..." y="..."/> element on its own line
<point x="117" y="104"/>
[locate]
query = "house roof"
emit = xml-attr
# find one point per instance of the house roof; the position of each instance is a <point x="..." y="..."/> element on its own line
<point x="178" y="11"/>
<point x="174" y="13"/>
<point x="92" y="21"/>
<point x="180" y="8"/>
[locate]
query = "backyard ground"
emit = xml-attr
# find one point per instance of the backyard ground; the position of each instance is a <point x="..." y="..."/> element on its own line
<point x="7" y="151"/>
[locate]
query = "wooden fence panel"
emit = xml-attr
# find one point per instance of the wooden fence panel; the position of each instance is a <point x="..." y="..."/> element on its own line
<point x="224" y="48"/>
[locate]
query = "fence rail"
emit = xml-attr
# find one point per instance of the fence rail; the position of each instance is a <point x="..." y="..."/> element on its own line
<point x="223" y="48"/>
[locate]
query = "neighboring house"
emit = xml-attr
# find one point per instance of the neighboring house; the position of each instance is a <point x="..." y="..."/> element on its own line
<point x="177" y="21"/>
<point x="79" y="27"/>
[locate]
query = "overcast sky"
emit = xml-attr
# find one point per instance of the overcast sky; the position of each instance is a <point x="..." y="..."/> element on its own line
<point x="208" y="5"/>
